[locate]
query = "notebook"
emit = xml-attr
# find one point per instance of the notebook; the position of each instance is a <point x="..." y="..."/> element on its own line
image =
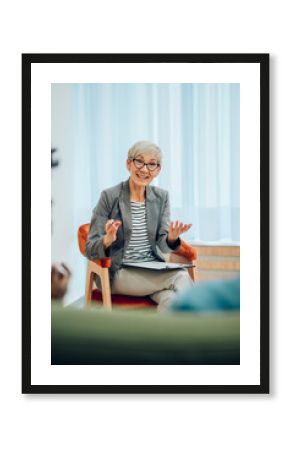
<point x="157" y="265"/>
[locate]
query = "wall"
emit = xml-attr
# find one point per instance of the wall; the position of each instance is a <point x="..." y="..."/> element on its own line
<point x="218" y="262"/>
<point x="62" y="192"/>
<point x="64" y="227"/>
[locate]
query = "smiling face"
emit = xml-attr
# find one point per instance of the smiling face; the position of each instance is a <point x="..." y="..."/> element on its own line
<point x="143" y="176"/>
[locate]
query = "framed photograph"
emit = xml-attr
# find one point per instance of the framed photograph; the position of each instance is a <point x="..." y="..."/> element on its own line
<point x="145" y="223"/>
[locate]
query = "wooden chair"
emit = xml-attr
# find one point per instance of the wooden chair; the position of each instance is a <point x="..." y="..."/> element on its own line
<point x="100" y="267"/>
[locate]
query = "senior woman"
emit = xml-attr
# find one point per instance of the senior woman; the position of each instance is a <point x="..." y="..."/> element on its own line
<point x="131" y="223"/>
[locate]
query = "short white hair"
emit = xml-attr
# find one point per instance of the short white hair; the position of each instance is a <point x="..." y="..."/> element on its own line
<point x="143" y="147"/>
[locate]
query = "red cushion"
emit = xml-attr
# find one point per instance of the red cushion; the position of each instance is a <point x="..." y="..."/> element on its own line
<point x="126" y="301"/>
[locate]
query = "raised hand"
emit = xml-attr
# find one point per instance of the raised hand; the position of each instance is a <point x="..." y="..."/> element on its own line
<point x="111" y="229"/>
<point x="176" y="229"/>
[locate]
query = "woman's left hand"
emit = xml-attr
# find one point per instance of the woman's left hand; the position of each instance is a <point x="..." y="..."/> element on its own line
<point x="176" y="229"/>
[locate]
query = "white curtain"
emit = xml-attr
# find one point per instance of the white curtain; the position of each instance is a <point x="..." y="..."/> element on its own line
<point x="197" y="126"/>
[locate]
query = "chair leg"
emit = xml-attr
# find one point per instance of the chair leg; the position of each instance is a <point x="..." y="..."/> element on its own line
<point x="103" y="273"/>
<point x="106" y="290"/>
<point x="193" y="273"/>
<point x="89" y="286"/>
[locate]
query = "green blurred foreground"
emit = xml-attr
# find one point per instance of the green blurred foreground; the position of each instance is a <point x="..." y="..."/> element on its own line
<point x="94" y="336"/>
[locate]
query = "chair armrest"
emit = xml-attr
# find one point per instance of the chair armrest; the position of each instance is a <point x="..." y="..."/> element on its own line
<point x="83" y="232"/>
<point x="103" y="262"/>
<point x="185" y="254"/>
<point x="187" y="251"/>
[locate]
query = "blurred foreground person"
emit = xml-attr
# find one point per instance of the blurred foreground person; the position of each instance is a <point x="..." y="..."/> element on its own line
<point x="209" y="296"/>
<point x="59" y="281"/>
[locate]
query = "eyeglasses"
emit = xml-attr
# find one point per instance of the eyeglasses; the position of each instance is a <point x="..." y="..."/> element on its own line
<point x="139" y="164"/>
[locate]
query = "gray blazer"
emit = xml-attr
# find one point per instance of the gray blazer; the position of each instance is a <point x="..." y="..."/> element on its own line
<point x="114" y="204"/>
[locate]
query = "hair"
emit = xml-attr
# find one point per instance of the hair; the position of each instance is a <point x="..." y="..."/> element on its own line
<point x="143" y="147"/>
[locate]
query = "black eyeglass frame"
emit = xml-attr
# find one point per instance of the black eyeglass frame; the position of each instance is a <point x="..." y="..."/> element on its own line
<point x="144" y="164"/>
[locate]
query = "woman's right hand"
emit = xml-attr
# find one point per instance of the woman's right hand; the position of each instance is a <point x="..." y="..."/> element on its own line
<point x="111" y="229"/>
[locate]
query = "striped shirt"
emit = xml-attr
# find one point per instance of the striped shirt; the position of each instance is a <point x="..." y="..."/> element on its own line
<point x="139" y="248"/>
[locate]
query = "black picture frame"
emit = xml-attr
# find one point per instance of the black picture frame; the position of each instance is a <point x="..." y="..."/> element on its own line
<point x="263" y="61"/>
